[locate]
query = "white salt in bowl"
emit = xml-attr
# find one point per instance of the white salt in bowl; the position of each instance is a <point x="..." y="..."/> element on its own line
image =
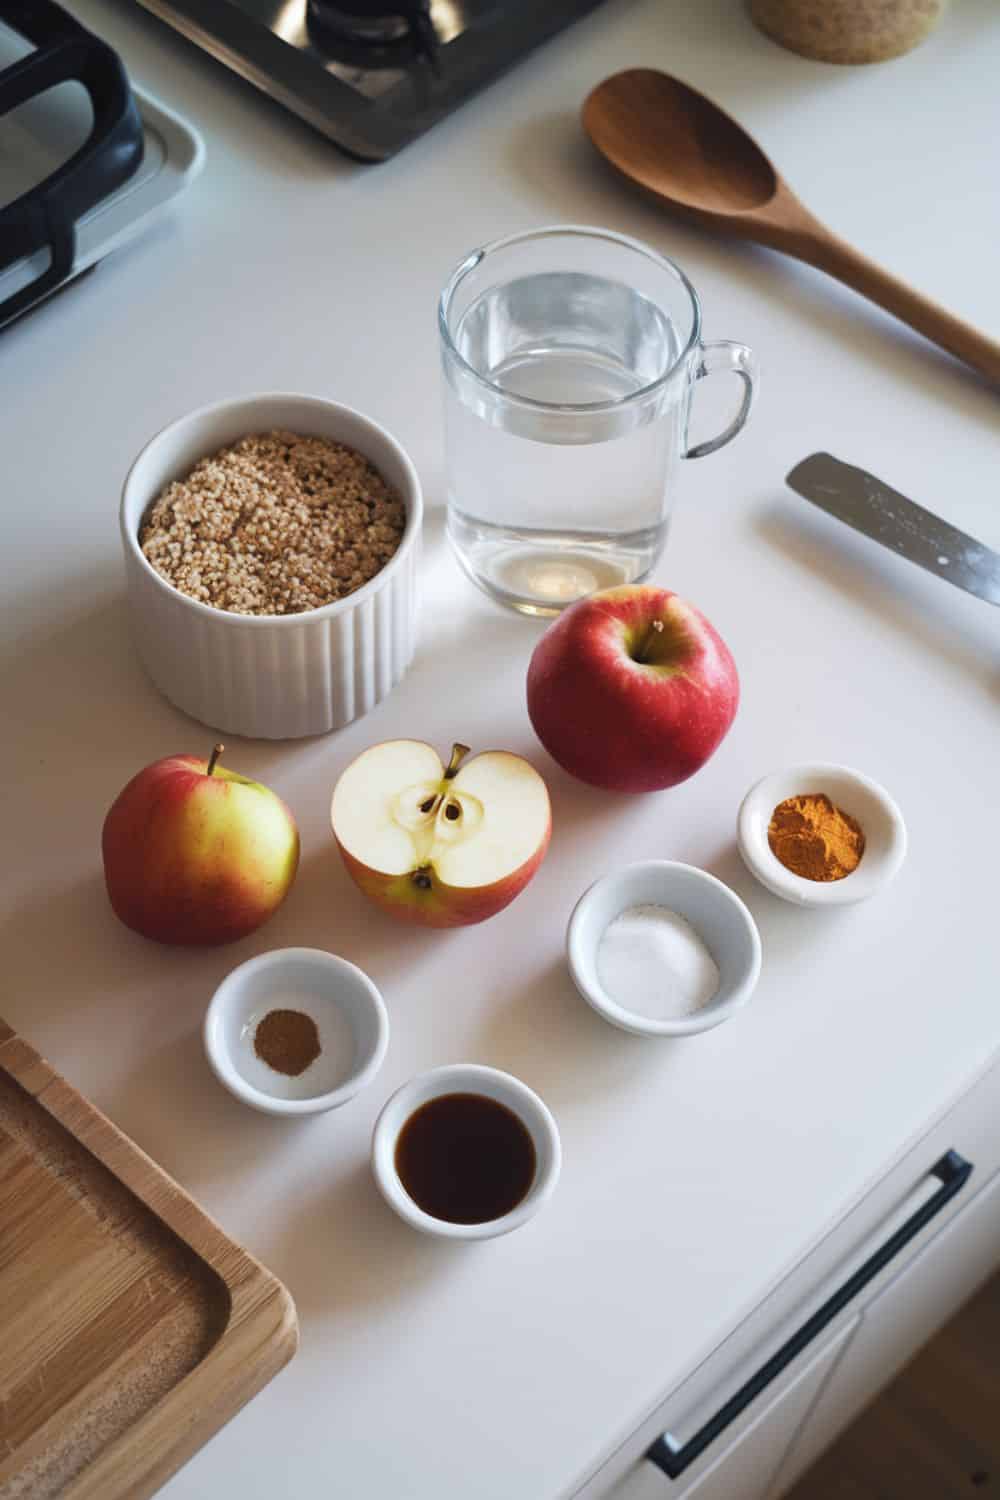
<point x="349" y="1013"/>
<point x="273" y="677"/>
<point x="715" y="912"/>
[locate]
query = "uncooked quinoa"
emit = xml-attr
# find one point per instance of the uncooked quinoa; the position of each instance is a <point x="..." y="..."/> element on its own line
<point x="276" y="524"/>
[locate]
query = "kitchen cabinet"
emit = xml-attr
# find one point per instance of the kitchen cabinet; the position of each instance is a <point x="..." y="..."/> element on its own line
<point x="904" y="1316"/>
<point x="753" y="1417"/>
<point x="766" y="1454"/>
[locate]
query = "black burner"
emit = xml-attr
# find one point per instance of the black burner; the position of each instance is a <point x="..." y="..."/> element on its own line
<point x="373" y="33"/>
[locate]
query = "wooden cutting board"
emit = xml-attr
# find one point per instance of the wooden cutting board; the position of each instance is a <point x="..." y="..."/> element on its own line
<point x="131" y="1328"/>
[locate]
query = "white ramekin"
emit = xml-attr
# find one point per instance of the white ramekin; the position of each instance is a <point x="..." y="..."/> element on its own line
<point x="349" y="1013"/>
<point x="714" y="911"/>
<point x="272" y="676"/>
<point x="466" y="1078"/>
<point x="854" y="794"/>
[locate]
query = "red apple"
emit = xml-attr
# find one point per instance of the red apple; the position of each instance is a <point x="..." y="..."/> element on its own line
<point x="439" y="845"/>
<point x="632" y="689"/>
<point x="194" y="854"/>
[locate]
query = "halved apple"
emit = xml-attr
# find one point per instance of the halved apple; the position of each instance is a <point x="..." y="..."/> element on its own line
<point x="442" y="846"/>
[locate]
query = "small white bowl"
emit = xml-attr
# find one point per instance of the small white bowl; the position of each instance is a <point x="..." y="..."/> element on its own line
<point x="272" y="676"/>
<point x="466" y="1078"/>
<point x="716" y="913"/>
<point x="854" y="794"/>
<point x="350" y="1016"/>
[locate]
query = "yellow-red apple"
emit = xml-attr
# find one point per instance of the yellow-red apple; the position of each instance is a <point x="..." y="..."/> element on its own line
<point x="632" y="689"/>
<point x="194" y="854"/>
<point x="442" y="846"/>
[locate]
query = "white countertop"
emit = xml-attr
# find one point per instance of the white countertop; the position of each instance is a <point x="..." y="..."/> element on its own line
<point x="697" y="1171"/>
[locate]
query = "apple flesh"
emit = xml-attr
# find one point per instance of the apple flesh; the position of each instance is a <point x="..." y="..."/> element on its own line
<point x="196" y="855"/>
<point x="441" y="846"/>
<point x="632" y="689"/>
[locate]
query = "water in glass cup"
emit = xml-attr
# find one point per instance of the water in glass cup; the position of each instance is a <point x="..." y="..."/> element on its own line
<point x="558" y="468"/>
<point x="569" y="354"/>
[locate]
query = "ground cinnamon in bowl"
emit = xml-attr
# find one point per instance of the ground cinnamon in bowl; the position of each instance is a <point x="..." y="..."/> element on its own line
<point x="815" y="839"/>
<point x="288" y="1041"/>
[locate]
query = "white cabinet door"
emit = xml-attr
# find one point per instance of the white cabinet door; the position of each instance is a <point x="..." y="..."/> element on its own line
<point x="902" y="1318"/>
<point x="745" y="1469"/>
<point x="846" y="1270"/>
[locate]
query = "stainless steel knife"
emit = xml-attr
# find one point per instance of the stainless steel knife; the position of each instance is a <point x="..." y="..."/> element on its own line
<point x="871" y="507"/>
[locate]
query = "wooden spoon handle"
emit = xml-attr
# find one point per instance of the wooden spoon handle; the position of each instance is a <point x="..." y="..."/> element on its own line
<point x="839" y="259"/>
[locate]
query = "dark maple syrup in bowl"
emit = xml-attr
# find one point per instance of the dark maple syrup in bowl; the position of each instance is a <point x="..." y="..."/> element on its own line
<point x="465" y="1158"/>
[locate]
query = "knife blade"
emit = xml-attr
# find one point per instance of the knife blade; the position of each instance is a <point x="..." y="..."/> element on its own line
<point x="877" y="511"/>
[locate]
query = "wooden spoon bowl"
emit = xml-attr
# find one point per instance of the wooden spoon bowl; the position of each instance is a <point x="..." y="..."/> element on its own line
<point x="699" y="163"/>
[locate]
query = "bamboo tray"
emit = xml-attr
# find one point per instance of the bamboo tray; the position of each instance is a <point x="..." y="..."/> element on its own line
<point x="132" y="1328"/>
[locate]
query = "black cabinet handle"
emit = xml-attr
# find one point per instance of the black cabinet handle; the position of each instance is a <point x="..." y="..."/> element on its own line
<point x="953" y="1172"/>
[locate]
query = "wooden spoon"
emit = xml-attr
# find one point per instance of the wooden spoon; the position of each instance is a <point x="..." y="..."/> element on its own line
<point x="682" y="148"/>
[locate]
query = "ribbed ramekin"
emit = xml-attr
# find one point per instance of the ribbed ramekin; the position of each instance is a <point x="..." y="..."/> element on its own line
<point x="272" y="676"/>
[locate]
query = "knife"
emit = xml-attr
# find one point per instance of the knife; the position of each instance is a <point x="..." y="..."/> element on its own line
<point x="871" y="507"/>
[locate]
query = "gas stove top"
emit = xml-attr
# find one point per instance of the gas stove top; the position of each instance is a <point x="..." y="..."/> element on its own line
<point x="370" y="74"/>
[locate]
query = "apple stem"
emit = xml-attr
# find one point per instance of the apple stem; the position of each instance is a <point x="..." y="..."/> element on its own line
<point x="216" y="752"/>
<point x="421" y="879"/>
<point x="458" y="754"/>
<point x="656" y="628"/>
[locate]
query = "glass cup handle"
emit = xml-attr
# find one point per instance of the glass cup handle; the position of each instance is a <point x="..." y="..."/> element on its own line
<point x="739" y="360"/>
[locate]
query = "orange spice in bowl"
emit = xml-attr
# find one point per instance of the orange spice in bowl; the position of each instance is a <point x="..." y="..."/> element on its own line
<point x="814" y="839"/>
<point x="843" y="839"/>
